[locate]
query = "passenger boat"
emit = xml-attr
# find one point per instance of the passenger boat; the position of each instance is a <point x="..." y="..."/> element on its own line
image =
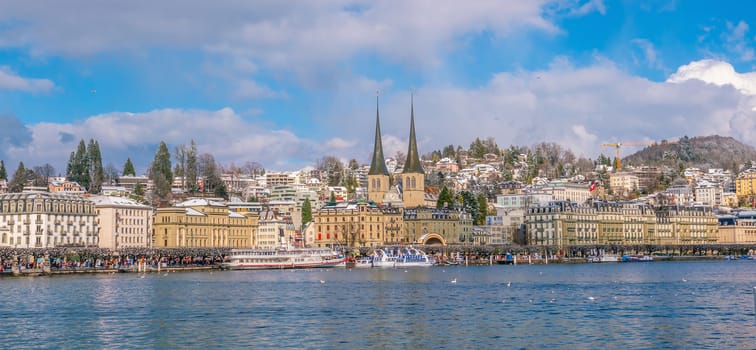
<point x="401" y="257"/>
<point x="282" y="258"/>
<point x="637" y="258"/>
<point x="604" y="258"/>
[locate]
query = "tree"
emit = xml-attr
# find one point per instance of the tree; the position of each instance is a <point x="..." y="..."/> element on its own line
<point x="445" y="199"/>
<point x="139" y="189"/>
<point x="18" y="181"/>
<point x="306" y="212"/>
<point x="42" y="174"/>
<point x="179" y="154"/>
<point x="191" y="170"/>
<point x="211" y="174"/>
<point x="351" y="186"/>
<point x="353" y="164"/>
<point x="470" y="204"/>
<point x="482" y="210"/>
<point x="160" y="172"/>
<point x="3" y="172"/>
<point x="333" y="168"/>
<point x="96" y="172"/>
<point x="78" y="166"/>
<point x="128" y="168"/>
<point x="111" y="174"/>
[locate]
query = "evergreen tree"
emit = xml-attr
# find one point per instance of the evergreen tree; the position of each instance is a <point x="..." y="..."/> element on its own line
<point x="482" y="210"/>
<point x="139" y="189"/>
<point x="3" y="172"/>
<point x="191" y="167"/>
<point x="306" y="212"/>
<point x="18" y="181"/>
<point x="96" y="171"/>
<point x="445" y="198"/>
<point x="78" y="166"/>
<point x="160" y="172"/>
<point x="333" y="198"/>
<point x="128" y="168"/>
<point x="470" y="204"/>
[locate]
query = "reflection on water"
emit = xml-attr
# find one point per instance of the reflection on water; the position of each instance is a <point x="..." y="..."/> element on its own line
<point x="654" y="305"/>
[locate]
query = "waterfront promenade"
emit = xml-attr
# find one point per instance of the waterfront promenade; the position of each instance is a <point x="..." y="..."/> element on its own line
<point x="77" y="260"/>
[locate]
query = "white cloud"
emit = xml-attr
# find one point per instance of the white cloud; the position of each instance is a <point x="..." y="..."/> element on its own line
<point x="577" y="107"/>
<point x="251" y="89"/>
<point x="9" y="80"/>
<point x="716" y="72"/>
<point x="737" y="42"/>
<point x="223" y="133"/>
<point x="291" y="35"/>
<point x="650" y="56"/>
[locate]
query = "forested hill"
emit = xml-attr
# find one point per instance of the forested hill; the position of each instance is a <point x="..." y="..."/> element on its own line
<point x="703" y="152"/>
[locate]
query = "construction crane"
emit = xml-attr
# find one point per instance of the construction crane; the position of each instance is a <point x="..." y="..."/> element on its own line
<point x="618" y="145"/>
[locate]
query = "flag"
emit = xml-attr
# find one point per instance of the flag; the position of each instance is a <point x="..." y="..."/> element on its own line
<point x="594" y="185"/>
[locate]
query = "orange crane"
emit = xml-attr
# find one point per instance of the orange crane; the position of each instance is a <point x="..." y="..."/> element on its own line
<point x="618" y="145"/>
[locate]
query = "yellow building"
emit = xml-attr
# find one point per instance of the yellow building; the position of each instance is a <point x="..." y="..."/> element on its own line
<point x="357" y="225"/>
<point x="274" y="230"/>
<point x="203" y="223"/>
<point x="426" y="225"/>
<point x="745" y="183"/>
<point x="565" y="224"/>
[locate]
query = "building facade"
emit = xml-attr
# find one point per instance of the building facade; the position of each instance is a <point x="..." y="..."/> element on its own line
<point x="565" y="224"/>
<point x="45" y="220"/>
<point x="124" y="223"/>
<point x="203" y="223"/>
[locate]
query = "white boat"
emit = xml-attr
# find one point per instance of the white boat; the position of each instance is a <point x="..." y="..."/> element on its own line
<point x="400" y="257"/>
<point x="282" y="258"/>
<point x="610" y="258"/>
<point x="363" y="262"/>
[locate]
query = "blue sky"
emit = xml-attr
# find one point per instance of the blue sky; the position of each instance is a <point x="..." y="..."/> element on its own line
<point x="285" y="83"/>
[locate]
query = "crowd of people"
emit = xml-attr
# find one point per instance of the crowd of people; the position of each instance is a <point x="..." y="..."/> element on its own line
<point x="99" y="258"/>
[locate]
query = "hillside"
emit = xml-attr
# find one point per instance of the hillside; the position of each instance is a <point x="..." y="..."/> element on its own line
<point x="702" y="152"/>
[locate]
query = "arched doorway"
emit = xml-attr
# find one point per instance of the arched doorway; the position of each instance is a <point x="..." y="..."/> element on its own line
<point x="431" y="239"/>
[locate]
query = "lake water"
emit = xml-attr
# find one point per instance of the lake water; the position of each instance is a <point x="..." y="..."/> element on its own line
<point x="691" y="305"/>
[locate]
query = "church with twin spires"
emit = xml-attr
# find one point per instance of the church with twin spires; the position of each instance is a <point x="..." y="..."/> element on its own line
<point x="412" y="178"/>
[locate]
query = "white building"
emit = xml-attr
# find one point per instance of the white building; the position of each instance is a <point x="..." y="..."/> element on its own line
<point x="707" y="193"/>
<point x="45" y="220"/>
<point x="124" y="223"/>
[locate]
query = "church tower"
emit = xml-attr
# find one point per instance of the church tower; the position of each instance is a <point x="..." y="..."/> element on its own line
<point x="378" y="175"/>
<point x="413" y="176"/>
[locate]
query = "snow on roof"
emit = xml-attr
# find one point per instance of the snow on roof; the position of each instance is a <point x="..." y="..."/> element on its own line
<point x="199" y="202"/>
<point x="193" y="212"/>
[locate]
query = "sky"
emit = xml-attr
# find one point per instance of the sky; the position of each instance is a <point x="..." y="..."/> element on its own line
<point x="284" y="83"/>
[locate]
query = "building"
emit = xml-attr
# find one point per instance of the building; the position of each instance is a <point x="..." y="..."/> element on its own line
<point x="563" y="224"/>
<point x="357" y="224"/>
<point x="46" y="220"/>
<point x="124" y="223"/>
<point x="378" y="174"/>
<point x="739" y="228"/>
<point x="745" y="183"/>
<point x="707" y="193"/>
<point x="65" y="187"/>
<point x="275" y="231"/>
<point x="413" y="175"/>
<point x="568" y="191"/>
<point x="203" y="223"/>
<point x="130" y="182"/>
<point x="623" y="182"/>
<point x="446" y="226"/>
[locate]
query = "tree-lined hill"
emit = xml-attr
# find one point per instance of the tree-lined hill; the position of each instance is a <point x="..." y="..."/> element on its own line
<point x="703" y="152"/>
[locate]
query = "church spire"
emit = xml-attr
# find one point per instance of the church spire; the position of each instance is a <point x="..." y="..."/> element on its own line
<point x="412" y="165"/>
<point x="378" y="164"/>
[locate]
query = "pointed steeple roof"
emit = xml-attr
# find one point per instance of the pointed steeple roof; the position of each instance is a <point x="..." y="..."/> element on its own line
<point x="412" y="165"/>
<point x="378" y="164"/>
